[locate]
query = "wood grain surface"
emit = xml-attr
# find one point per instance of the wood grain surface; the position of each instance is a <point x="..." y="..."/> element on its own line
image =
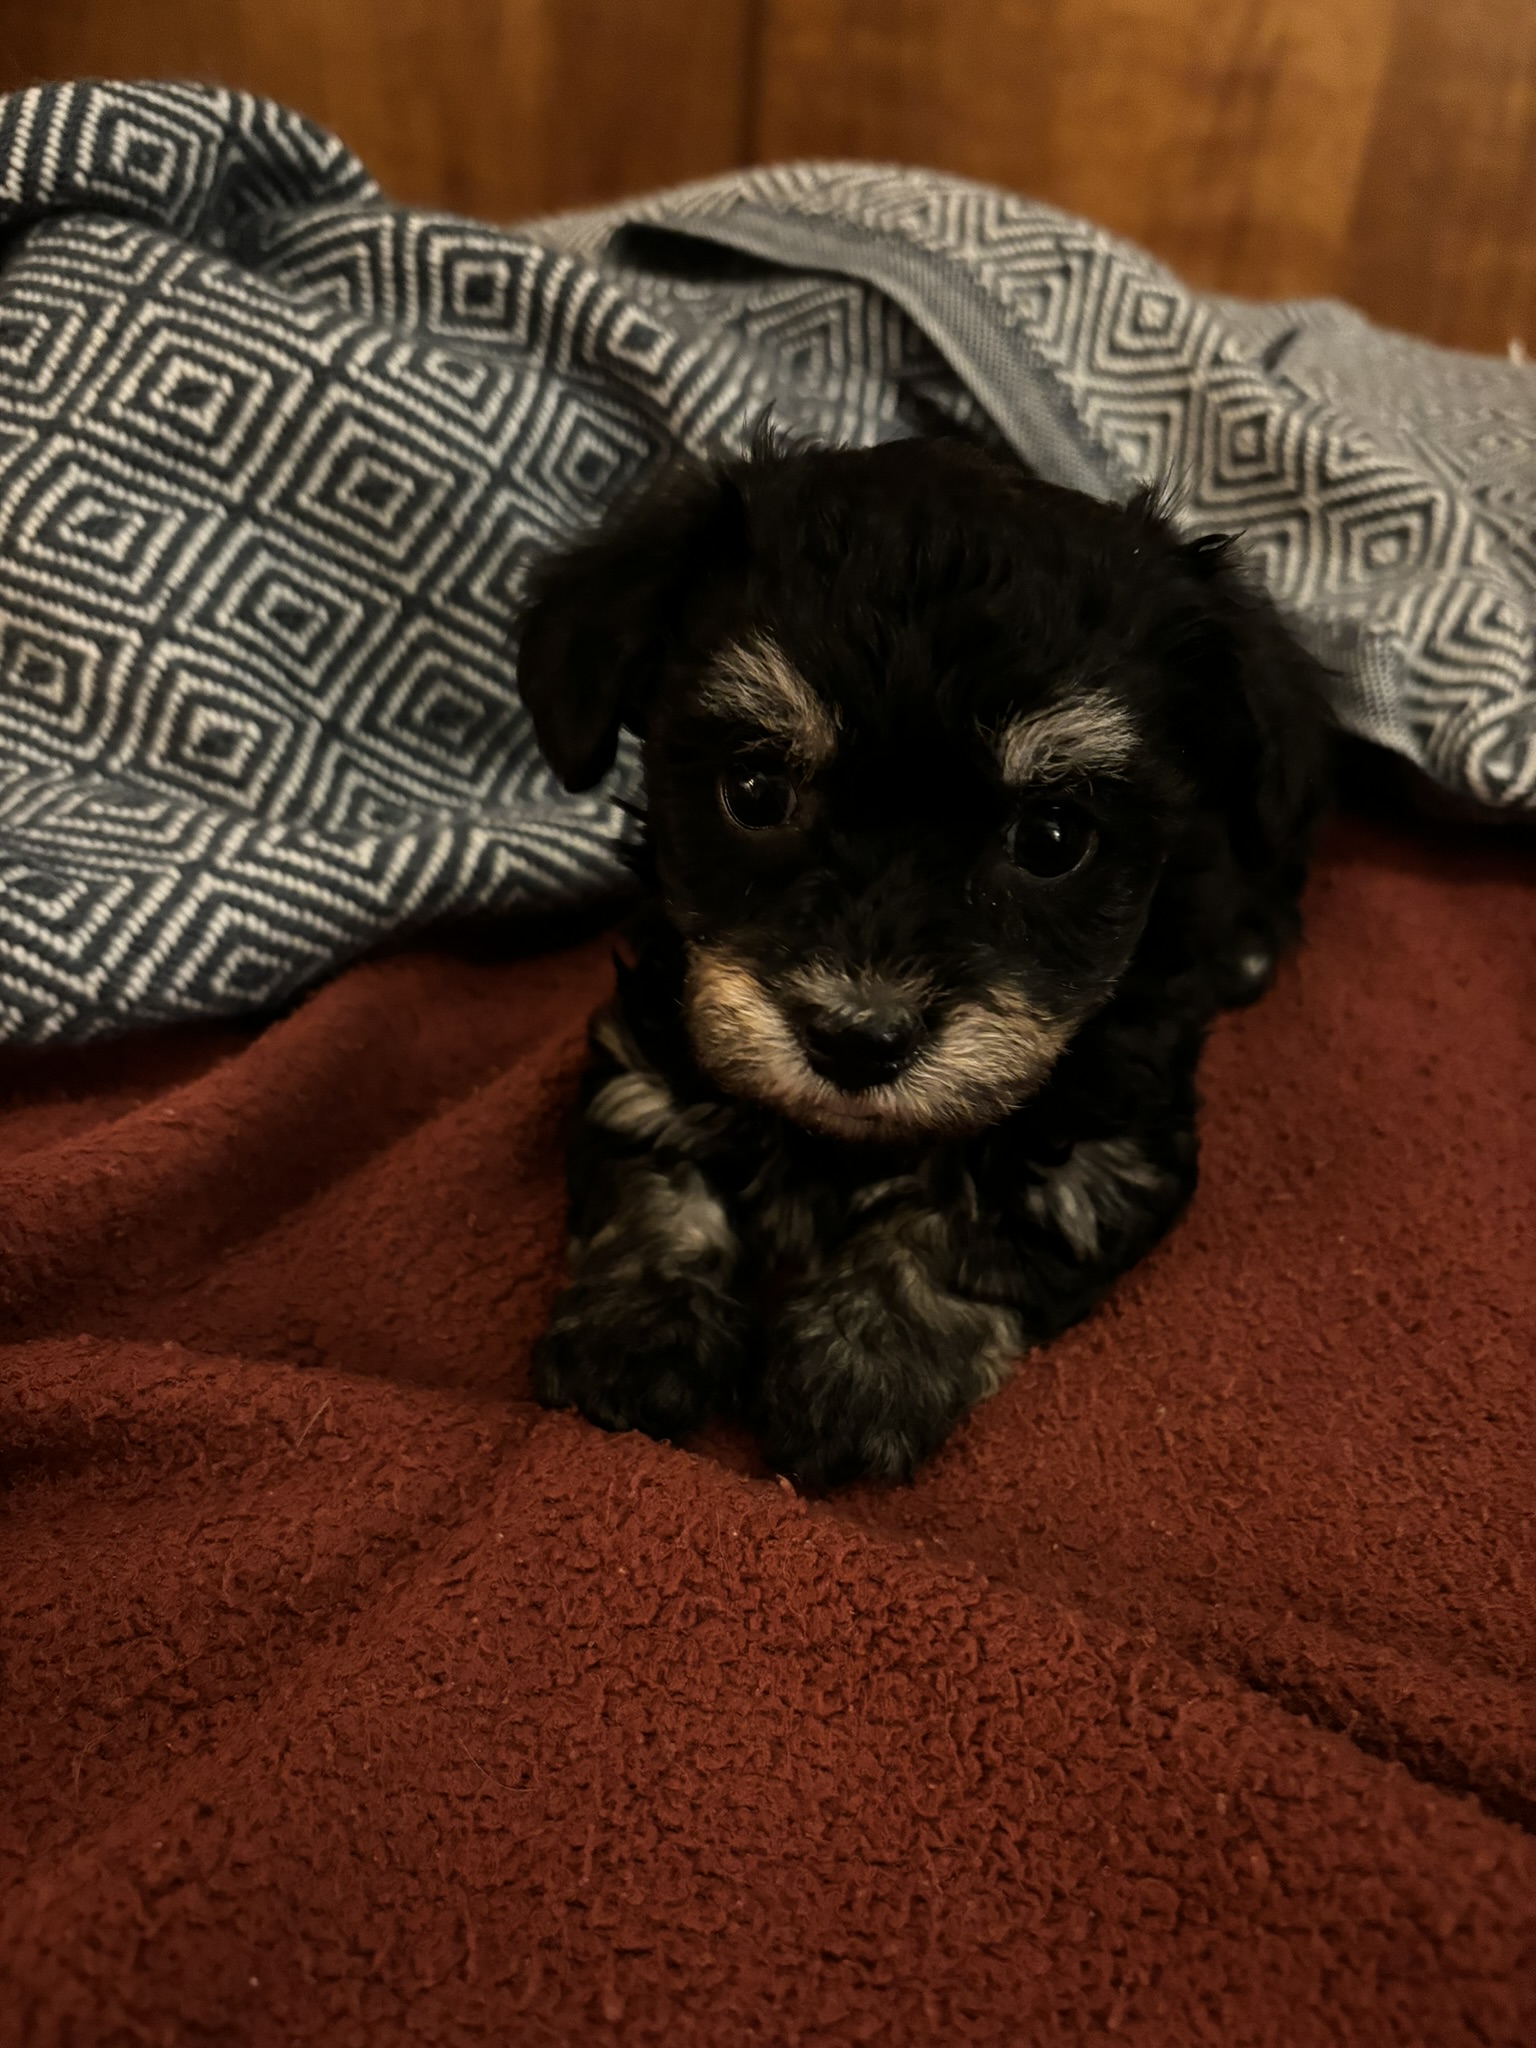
<point x="491" y="107"/>
<point x="1380" y="150"/>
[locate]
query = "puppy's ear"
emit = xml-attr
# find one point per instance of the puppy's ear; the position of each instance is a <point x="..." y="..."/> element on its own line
<point x="604" y="612"/>
<point x="1251" y="722"/>
<point x="1262" y="737"/>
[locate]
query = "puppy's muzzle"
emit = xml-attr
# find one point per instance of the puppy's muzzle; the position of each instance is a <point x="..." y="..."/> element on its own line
<point x="868" y="1053"/>
<point x="857" y="1056"/>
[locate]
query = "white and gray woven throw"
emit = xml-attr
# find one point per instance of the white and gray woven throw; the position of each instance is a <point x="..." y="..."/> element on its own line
<point x="275" y="456"/>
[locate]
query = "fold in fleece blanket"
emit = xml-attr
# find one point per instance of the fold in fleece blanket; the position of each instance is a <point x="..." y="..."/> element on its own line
<point x="276" y="456"/>
<point x="1185" y="1698"/>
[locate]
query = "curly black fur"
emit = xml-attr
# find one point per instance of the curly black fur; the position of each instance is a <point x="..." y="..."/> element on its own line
<point x="900" y="1080"/>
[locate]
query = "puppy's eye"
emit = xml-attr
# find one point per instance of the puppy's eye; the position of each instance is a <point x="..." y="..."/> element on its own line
<point x="1052" y="841"/>
<point x="757" y="799"/>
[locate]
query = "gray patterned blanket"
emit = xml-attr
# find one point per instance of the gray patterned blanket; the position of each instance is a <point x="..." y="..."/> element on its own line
<point x="275" y="456"/>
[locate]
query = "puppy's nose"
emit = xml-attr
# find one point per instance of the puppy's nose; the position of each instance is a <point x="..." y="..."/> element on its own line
<point x="854" y="1057"/>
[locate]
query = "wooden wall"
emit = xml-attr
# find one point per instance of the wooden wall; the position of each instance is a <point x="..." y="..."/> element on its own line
<point x="493" y="107"/>
<point x="1382" y="150"/>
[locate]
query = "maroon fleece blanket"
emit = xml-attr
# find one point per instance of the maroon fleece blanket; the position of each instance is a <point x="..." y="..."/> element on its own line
<point x="1187" y="1697"/>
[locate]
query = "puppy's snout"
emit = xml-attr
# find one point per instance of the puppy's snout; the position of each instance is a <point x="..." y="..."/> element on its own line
<point x="862" y="1055"/>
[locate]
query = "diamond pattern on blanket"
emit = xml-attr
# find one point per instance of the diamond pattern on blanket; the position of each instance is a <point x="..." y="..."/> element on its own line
<point x="1350" y="515"/>
<point x="277" y="457"/>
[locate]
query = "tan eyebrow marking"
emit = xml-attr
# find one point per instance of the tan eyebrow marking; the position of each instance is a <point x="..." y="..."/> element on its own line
<point x="1091" y="732"/>
<point x="754" y="681"/>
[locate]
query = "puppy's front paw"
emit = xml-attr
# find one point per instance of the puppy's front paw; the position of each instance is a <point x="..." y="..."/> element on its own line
<point x="864" y="1385"/>
<point x="656" y="1361"/>
<point x="823" y="1436"/>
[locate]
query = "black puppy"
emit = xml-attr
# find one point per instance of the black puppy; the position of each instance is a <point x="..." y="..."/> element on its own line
<point x="970" y="800"/>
